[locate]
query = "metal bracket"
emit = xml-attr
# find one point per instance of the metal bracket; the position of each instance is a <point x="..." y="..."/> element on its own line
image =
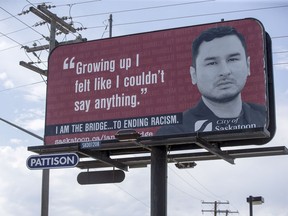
<point x="104" y="157"/>
<point x="214" y="150"/>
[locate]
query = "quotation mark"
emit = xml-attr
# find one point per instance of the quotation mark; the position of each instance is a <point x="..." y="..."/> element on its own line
<point x="144" y="90"/>
<point x="68" y="64"/>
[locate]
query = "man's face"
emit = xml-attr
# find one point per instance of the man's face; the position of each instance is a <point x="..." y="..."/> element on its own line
<point x="221" y="69"/>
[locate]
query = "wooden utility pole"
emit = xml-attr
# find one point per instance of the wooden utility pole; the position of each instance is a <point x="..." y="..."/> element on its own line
<point x="55" y="23"/>
<point x="110" y="25"/>
<point x="215" y="209"/>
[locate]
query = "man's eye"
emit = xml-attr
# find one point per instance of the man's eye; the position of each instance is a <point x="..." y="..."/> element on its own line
<point x="233" y="59"/>
<point x="211" y="63"/>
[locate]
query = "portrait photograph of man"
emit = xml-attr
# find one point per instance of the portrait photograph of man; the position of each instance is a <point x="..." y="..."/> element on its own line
<point x="220" y="69"/>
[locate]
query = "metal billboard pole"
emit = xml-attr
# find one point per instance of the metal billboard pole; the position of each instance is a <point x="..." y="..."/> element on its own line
<point x="158" y="181"/>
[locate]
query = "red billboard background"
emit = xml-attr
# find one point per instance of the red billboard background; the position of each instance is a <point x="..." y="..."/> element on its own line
<point x="137" y="81"/>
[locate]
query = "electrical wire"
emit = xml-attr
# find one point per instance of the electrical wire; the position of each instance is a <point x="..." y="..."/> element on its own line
<point x="175" y="18"/>
<point x="4" y="19"/>
<point x="280" y="52"/>
<point x="132" y="196"/>
<point x="213" y="194"/>
<point x="143" y="8"/>
<point x="40" y="61"/>
<point x="188" y="183"/>
<point x="27" y="26"/>
<point x="16" y="31"/>
<point x="183" y="17"/>
<point x="281" y="63"/>
<point x="21" y="86"/>
<point x="184" y="192"/>
<point x="280" y="37"/>
<point x="209" y="191"/>
<point x="22" y="22"/>
<point x="19" y="44"/>
<point x="106" y="26"/>
<point x="165" y="19"/>
<point x="52" y="6"/>
<point x="4" y="35"/>
<point x="199" y="15"/>
<point x="77" y="3"/>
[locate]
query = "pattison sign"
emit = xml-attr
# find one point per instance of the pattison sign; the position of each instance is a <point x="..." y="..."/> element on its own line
<point x="52" y="161"/>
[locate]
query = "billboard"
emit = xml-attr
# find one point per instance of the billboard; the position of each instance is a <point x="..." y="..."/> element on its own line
<point x="210" y="78"/>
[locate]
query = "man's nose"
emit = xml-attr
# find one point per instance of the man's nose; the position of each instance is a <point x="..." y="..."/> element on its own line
<point x="224" y="69"/>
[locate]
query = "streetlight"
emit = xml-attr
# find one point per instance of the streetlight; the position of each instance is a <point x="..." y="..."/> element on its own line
<point x="254" y="201"/>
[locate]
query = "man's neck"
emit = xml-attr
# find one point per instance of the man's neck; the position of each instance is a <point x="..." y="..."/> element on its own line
<point x="231" y="109"/>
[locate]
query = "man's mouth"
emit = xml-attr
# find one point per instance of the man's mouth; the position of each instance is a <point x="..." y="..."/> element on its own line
<point x="224" y="83"/>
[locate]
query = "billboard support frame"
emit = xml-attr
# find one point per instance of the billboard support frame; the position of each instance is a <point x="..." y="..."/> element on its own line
<point x="104" y="157"/>
<point x="210" y="147"/>
<point x="159" y="162"/>
<point x="143" y="161"/>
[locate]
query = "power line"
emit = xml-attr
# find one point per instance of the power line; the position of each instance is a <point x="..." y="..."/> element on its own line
<point x="4" y="35"/>
<point x="281" y="63"/>
<point x="145" y="21"/>
<point x="280" y="37"/>
<point x="143" y="8"/>
<point x="132" y="196"/>
<point x="21" y="86"/>
<point x="188" y="183"/>
<point x="22" y="22"/>
<point x="185" y="192"/>
<point x="280" y="52"/>
<point x="16" y="31"/>
<point x="39" y="61"/>
<point x="14" y="16"/>
<point x="202" y="185"/>
<point x="184" y="17"/>
<point x="194" y="187"/>
<point x="78" y="3"/>
<point x="19" y="44"/>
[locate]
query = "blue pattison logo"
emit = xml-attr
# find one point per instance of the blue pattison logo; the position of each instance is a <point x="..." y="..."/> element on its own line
<point x="52" y="161"/>
<point x="203" y="125"/>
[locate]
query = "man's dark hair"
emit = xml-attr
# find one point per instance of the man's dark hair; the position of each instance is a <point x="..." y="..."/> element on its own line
<point x="211" y="34"/>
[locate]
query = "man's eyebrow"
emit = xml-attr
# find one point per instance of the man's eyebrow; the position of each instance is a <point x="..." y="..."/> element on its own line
<point x="234" y="54"/>
<point x="213" y="58"/>
<point x="210" y="58"/>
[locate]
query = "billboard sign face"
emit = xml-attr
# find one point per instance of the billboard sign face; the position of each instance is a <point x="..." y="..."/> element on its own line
<point x="157" y="85"/>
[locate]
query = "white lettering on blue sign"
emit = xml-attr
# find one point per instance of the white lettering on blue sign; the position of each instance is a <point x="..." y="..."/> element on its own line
<point x="89" y="145"/>
<point x="52" y="161"/>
